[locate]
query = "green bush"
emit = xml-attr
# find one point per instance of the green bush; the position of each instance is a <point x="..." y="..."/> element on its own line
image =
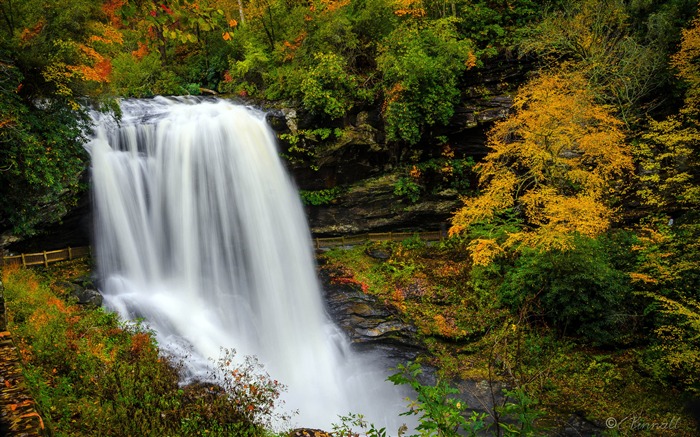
<point x="578" y="290"/>
<point x="250" y="69"/>
<point x="408" y="188"/>
<point x="440" y="412"/>
<point x="135" y="77"/>
<point x="320" y="197"/>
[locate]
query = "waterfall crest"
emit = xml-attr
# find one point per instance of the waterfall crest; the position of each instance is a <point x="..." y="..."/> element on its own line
<point x="200" y="232"/>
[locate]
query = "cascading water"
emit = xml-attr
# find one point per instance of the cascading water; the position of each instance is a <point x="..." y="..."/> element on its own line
<point x="200" y="232"/>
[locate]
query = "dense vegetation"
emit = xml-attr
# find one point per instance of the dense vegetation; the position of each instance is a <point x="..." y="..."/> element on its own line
<point x="92" y="375"/>
<point x="572" y="271"/>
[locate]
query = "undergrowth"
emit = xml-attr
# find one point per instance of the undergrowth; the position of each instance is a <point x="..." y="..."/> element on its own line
<point x="92" y="375"/>
<point x="471" y="335"/>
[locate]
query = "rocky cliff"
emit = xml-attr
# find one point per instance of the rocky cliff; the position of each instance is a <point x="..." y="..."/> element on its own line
<point x="368" y="168"/>
<point x="352" y="154"/>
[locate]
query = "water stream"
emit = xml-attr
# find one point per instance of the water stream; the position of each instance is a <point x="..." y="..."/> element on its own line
<point x="200" y="232"/>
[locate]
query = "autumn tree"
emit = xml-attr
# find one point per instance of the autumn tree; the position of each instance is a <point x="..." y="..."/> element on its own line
<point x="53" y="55"/>
<point x="174" y="21"/>
<point x="668" y="154"/>
<point x="310" y="51"/>
<point x="555" y="162"/>
<point x="61" y="48"/>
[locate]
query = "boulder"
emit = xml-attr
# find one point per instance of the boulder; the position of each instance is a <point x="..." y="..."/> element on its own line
<point x="89" y="297"/>
<point x="368" y="323"/>
<point x="378" y="253"/>
<point x="84" y="295"/>
<point x="308" y="432"/>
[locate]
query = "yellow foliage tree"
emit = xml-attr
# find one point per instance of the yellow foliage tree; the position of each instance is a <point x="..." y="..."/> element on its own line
<point x="669" y="158"/>
<point x="555" y="160"/>
<point x="669" y="151"/>
<point x="686" y="63"/>
<point x="679" y="336"/>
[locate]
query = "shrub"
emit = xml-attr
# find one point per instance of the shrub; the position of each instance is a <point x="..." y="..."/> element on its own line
<point x="408" y="188"/>
<point x="91" y="375"/>
<point x="578" y="290"/>
<point x="132" y="77"/>
<point x="320" y="197"/>
<point x="440" y="412"/>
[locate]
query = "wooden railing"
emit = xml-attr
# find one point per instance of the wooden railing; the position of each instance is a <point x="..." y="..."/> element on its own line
<point x="46" y="257"/>
<point x="353" y="240"/>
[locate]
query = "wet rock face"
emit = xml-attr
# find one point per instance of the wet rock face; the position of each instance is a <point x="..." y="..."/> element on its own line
<point x="362" y="162"/>
<point x="373" y="207"/>
<point x="368" y="323"/>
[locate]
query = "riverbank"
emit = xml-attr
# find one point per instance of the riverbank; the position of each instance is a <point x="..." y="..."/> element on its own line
<point x="483" y="348"/>
<point x="92" y="375"/>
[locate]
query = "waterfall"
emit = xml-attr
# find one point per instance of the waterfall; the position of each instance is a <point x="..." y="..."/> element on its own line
<point x="200" y="232"/>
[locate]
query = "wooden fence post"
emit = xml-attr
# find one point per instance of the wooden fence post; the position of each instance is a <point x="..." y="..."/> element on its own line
<point x="70" y="253"/>
<point x="46" y="260"/>
<point x="24" y="262"/>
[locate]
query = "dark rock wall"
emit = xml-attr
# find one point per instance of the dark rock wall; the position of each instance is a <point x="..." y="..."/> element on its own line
<point x="368" y="167"/>
<point x="372" y="206"/>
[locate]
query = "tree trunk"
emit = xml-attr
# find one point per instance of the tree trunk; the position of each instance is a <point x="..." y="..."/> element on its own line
<point x="240" y="12"/>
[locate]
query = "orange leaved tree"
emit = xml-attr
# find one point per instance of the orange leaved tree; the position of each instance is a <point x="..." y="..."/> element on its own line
<point x="554" y="162"/>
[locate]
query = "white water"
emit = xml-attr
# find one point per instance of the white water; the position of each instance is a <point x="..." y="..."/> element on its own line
<point x="200" y="232"/>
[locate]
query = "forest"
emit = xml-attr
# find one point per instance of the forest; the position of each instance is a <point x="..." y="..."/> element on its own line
<point x="571" y="272"/>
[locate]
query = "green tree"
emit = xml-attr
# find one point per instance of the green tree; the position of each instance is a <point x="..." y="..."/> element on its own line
<point x="669" y="252"/>
<point x="594" y="36"/>
<point x="41" y="157"/>
<point x="52" y="53"/>
<point x="421" y="63"/>
<point x="329" y="89"/>
<point x="579" y="290"/>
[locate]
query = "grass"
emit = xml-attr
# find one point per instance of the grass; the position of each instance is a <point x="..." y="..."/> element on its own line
<point x="93" y="375"/>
